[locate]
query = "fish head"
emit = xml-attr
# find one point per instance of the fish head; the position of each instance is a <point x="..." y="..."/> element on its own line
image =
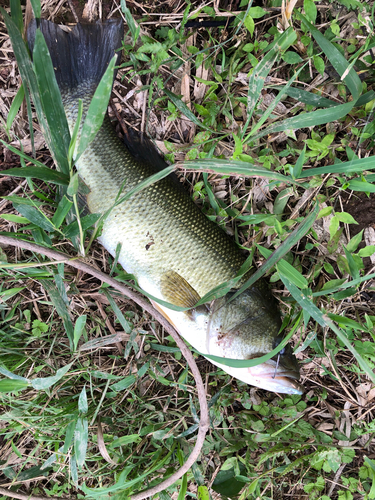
<point x="247" y="327"/>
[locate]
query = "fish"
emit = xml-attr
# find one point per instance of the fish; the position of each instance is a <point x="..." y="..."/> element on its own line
<point x="174" y="251"/>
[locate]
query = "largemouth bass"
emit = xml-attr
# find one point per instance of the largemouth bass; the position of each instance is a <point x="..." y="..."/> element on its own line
<point x="176" y="253"/>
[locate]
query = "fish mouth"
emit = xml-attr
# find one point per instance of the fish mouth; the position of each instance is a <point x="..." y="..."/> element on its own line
<point x="288" y="382"/>
<point x="277" y="379"/>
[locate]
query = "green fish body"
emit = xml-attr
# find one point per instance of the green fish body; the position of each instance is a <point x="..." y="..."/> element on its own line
<point x="176" y="253"/>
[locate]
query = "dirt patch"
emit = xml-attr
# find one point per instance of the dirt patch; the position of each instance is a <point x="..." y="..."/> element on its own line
<point x="362" y="208"/>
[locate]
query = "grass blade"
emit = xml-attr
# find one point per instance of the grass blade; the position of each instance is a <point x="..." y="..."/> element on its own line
<point x="282" y="250"/>
<point x="51" y="99"/>
<point x="324" y="321"/>
<point x="14" y="108"/>
<point x="97" y="109"/>
<point x="234" y="167"/>
<point x="43" y="173"/>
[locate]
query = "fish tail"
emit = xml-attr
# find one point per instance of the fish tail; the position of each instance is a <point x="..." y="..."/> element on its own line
<point x="80" y="54"/>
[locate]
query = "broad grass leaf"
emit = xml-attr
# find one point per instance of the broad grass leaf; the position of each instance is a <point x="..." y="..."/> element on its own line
<point x="35" y="216"/>
<point x="7" y="386"/>
<point x="16" y="13"/>
<point x="79" y="328"/>
<point x="286" y="268"/>
<point x="307" y="97"/>
<point x="272" y="106"/>
<point x="61" y="212"/>
<point x="124" y="383"/>
<point x="47" y="382"/>
<point x="97" y="109"/>
<point x="146" y="183"/>
<point x="61" y="310"/>
<point x="51" y="99"/>
<point x="234" y="167"/>
<point x="362" y="186"/>
<point x="43" y="173"/>
<point x="133" y="26"/>
<point x="82" y="401"/>
<point x="14" y="108"/>
<point x="28" y="77"/>
<point x="337" y="60"/>
<point x="81" y="436"/>
<point x="311" y="119"/>
<point x="181" y="106"/>
<point x="125" y="440"/>
<point x="262" y="69"/>
<point x="37" y="8"/>
<point x="347" y="167"/>
<point x="10" y="292"/>
<point x="282" y="250"/>
<point x="244" y="363"/>
<point x="11" y="375"/>
<point x="323" y="319"/>
<point x="297" y="169"/>
<point x="128" y="327"/>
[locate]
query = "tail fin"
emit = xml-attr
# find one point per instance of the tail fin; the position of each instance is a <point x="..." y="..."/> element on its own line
<point x="80" y="54"/>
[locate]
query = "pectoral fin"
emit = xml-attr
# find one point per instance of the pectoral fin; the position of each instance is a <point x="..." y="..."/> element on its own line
<point x="178" y="291"/>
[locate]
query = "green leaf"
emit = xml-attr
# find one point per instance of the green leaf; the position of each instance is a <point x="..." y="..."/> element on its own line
<point x="310" y="10"/>
<point x="308" y="306"/>
<point x="12" y="385"/>
<point x="29" y="78"/>
<point x="362" y="186"/>
<point x="43" y="173"/>
<point x="257" y="12"/>
<point x="335" y="57"/>
<point x="61" y="212"/>
<point x="82" y="401"/>
<point x="261" y="71"/>
<point x="282" y="250"/>
<point x="354" y="242"/>
<point x="319" y="64"/>
<point x="249" y="24"/>
<point x="16" y="13"/>
<point x="97" y="109"/>
<point x="35" y="216"/>
<point x="291" y="57"/>
<point x="367" y="251"/>
<point x="286" y="268"/>
<point x="235" y="167"/>
<point x="124" y="383"/>
<point x="46" y="382"/>
<point x="345" y="217"/>
<point x="181" y="106"/>
<point x="73" y="185"/>
<point x="81" y="435"/>
<point x="61" y="309"/>
<point x="226" y="484"/>
<point x="15" y="106"/>
<point x="37" y="8"/>
<point x="128" y="327"/>
<point x="51" y="100"/>
<point x="79" y="328"/>
<point x="133" y="26"/>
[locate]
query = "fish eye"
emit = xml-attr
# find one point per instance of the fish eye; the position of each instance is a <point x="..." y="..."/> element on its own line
<point x="282" y="351"/>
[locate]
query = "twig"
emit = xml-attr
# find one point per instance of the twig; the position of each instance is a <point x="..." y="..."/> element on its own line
<point x="204" y="420"/>
<point x="24" y="496"/>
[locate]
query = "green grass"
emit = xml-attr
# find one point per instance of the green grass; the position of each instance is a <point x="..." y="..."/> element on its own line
<point x="84" y="417"/>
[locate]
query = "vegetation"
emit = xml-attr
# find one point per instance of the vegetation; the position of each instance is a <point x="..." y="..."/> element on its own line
<point x="274" y="112"/>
